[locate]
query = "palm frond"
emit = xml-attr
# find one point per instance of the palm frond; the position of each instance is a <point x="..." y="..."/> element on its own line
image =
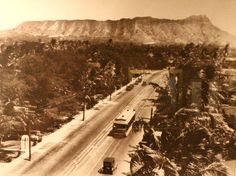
<point x="148" y="150"/>
<point x="215" y="169"/>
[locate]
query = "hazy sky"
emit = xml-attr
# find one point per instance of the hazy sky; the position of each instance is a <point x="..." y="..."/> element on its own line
<point x="13" y="12"/>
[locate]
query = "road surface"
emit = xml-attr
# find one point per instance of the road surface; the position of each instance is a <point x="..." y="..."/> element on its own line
<point x="85" y="144"/>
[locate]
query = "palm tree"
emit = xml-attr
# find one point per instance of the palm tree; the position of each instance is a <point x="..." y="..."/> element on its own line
<point x="215" y="169"/>
<point x="146" y="161"/>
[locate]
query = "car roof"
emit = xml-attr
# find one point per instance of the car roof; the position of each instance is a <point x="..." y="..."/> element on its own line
<point x="109" y="159"/>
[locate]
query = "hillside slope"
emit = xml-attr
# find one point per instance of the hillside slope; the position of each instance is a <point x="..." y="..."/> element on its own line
<point x="196" y="29"/>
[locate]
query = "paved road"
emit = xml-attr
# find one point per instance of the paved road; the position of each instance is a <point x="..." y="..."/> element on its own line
<point x="118" y="148"/>
<point x="82" y="150"/>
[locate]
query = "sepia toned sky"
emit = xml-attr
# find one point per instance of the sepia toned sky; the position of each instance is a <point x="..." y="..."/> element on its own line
<point x="222" y="13"/>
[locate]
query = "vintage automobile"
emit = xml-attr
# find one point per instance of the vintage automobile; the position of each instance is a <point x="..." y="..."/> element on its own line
<point x="36" y="136"/>
<point x="109" y="165"/>
<point x="129" y="87"/>
<point x="144" y="83"/>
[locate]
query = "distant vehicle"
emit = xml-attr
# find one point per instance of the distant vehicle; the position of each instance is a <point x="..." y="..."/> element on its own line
<point x="129" y="87"/>
<point x="144" y="83"/>
<point x="63" y="119"/>
<point x="36" y="135"/>
<point x="123" y="123"/>
<point x="137" y="82"/>
<point x="140" y="79"/>
<point x="109" y="165"/>
<point x="11" y="136"/>
<point x="50" y="129"/>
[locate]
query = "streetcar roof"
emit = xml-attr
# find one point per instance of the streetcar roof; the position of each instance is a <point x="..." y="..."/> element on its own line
<point x="125" y="116"/>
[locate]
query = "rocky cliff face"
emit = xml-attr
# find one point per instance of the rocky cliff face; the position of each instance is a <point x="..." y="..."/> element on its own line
<point x="197" y="29"/>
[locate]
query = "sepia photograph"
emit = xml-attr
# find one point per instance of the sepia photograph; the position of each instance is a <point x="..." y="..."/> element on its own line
<point x="117" y="87"/>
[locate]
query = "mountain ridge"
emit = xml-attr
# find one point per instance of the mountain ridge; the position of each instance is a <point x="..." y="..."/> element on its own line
<point x="196" y="29"/>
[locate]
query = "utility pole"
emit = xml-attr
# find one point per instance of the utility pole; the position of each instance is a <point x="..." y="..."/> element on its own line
<point x="28" y="111"/>
<point x="86" y="98"/>
<point x="84" y="109"/>
<point x="151" y="114"/>
<point x="29" y="134"/>
<point x="28" y="130"/>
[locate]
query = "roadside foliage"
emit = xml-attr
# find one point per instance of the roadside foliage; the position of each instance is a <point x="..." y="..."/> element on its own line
<point x="195" y="136"/>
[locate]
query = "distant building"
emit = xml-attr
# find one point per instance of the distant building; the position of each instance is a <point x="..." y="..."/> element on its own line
<point x="196" y="94"/>
<point x="230" y="63"/>
<point x="230" y="115"/>
<point x="176" y="83"/>
<point x="230" y="77"/>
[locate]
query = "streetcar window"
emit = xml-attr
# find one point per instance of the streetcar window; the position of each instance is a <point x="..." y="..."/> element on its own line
<point x="119" y="126"/>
